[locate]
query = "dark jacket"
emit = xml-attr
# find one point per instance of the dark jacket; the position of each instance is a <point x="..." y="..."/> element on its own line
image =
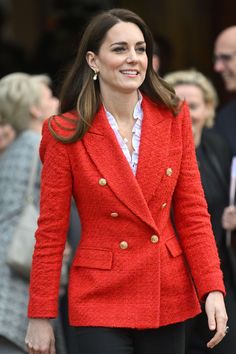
<point x="226" y="124"/>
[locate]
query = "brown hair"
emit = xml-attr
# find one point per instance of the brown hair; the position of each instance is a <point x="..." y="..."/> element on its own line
<point x="82" y="93"/>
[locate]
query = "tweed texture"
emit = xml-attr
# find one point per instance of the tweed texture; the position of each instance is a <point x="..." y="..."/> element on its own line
<point x="15" y="169"/>
<point x="146" y="285"/>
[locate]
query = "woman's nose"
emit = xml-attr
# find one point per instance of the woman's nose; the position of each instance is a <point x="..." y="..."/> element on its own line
<point x="132" y="56"/>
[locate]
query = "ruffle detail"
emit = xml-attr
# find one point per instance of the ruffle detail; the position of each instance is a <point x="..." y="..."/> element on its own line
<point x="138" y="116"/>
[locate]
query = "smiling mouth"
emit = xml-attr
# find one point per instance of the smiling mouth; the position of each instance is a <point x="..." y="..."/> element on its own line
<point x="129" y="72"/>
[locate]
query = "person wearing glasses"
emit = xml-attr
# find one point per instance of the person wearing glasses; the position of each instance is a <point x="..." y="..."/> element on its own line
<point x="225" y="65"/>
<point x="214" y="159"/>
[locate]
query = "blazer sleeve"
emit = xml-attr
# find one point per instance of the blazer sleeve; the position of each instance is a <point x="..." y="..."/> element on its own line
<point x="55" y="201"/>
<point x="192" y="219"/>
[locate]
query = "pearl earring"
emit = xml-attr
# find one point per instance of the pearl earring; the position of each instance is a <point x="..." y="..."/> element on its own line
<point x="95" y="76"/>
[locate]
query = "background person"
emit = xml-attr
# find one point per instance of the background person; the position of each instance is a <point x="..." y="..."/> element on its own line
<point x="225" y="65"/>
<point x="25" y="101"/>
<point x="214" y="160"/>
<point x="123" y="148"/>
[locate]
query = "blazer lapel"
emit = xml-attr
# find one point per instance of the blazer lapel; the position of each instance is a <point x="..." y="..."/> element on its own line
<point x="104" y="150"/>
<point x="154" y="147"/>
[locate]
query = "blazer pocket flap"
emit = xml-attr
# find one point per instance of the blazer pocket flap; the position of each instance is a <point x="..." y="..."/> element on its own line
<point x="174" y="247"/>
<point x="93" y="258"/>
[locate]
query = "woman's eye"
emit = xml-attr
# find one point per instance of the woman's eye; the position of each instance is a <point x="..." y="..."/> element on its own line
<point x="193" y="106"/>
<point x="123" y="49"/>
<point x="141" y="49"/>
<point x="119" y="49"/>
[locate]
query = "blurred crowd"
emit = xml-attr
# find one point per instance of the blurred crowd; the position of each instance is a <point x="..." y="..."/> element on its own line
<point x="26" y="100"/>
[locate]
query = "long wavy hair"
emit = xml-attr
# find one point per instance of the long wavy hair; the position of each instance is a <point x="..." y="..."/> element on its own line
<point x="80" y="92"/>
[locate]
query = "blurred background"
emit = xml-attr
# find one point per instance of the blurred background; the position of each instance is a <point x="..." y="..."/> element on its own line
<point x="41" y="36"/>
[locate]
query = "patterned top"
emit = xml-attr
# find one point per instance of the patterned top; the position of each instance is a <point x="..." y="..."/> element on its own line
<point x="138" y="116"/>
<point x="15" y="169"/>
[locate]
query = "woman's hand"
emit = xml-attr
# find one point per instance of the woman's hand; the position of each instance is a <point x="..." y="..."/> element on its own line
<point x="217" y="317"/>
<point x="229" y="218"/>
<point x="40" y="337"/>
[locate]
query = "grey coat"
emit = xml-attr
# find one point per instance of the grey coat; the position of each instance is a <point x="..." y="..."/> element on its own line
<point x="15" y="167"/>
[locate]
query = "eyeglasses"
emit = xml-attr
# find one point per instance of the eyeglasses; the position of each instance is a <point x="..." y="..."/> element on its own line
<point x="223" y="57"/>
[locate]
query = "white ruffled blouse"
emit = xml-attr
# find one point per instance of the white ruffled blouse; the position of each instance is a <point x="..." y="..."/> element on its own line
<point x="138" y="116"/>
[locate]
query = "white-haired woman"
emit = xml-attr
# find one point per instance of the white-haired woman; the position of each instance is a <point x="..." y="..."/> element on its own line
<point x="25" y="102"/>
<point x="214" y="164"/>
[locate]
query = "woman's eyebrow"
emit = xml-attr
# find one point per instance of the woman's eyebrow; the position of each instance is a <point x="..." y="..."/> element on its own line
<point x="125" y="43"/>
<point x="119" y="43"/>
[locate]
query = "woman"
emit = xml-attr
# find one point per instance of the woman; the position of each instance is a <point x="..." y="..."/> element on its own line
<point x="25" y="101"/>
<point x="213" y="158"/>
<point x="122" y="147"/>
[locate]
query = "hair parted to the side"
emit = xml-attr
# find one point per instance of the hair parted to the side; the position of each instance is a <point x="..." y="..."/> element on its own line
<point x="82" y="93"/>
<point x="196" y="78"/>
<point x="18" y="93"/>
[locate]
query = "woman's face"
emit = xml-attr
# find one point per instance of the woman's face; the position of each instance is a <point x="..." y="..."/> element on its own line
<point x="199" y="109"/>
<point x="122" y="60"/>
<point x="48" y="104"/>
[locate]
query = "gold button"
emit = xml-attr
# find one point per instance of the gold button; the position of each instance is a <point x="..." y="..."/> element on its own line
<point x="114" y="215"/>
<point x="123" y="245"/>
<point x="102" y="182"/>
<point x="154" y="238"/>
<point x="163" y="205"/>
<point x="169" y="171"/>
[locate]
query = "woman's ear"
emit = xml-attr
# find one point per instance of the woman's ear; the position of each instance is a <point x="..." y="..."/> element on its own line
<point x="35" y="112"/>
<point x="91" y="60"/>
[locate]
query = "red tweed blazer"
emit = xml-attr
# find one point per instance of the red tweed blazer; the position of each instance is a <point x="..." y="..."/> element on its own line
<point x="131" y="269"/>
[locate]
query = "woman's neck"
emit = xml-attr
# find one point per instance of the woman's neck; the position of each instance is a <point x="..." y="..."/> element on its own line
<point x="121" y="106"/>
<point x="36" y="126"/>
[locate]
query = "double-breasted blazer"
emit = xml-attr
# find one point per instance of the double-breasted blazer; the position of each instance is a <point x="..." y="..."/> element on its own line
<point x="131" y="268"/>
